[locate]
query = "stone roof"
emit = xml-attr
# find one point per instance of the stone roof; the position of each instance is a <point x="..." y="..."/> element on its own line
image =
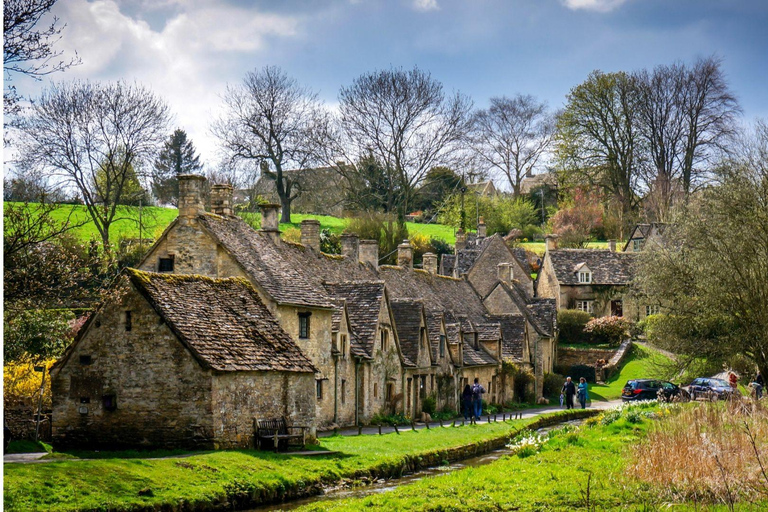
<point x="363" y="299"/>
<point x="223" y="322"/>
<point x="545" y="311"/>
<point x="512" y="336"/>
<point x="434" y="329"/>
<point x="608" y="268"/>
<point x="283" y="279"/>
<point x="477" y="356"/>
<point x="488" y="332"/>
<point x="529" y="308"/>
<point x="466" y="258"/>
<point x="407" y="315"/>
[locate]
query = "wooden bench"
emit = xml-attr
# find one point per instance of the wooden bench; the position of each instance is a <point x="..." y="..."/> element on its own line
<point x="278" y="433"/>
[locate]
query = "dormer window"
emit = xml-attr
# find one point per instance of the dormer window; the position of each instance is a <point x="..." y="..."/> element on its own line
<point x="585" y="276"/>
<point x="637" y="245"/>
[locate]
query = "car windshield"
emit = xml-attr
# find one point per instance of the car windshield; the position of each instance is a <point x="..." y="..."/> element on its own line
<point x="631" y="384"/>
<point x="668" y="385"/>
<point x="718" y="382"/>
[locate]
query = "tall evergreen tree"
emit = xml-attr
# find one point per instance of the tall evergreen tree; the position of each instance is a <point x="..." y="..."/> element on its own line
<point x="178" y="156"/>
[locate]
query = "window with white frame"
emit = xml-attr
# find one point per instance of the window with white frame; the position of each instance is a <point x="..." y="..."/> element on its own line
<point x="585" y="276"/>
<point x="637" y="245"/>
<point x="585" y="305"/>
<point x="652" y="310"/>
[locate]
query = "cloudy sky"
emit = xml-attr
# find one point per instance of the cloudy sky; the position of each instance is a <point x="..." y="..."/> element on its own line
<point x="188" y="50"/>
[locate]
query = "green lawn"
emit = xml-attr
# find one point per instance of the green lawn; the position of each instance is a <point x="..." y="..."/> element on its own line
<point x="641" y="363"/>
<point x="584" y="469"/>
<point x="209" y="478"/>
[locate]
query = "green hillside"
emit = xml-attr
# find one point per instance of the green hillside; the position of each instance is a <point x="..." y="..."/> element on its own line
<point x="155" y="219"/>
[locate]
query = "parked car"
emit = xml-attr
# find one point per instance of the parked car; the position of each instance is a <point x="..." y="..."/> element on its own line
<point x="650" y="389"/>
<point x="707" y="387"/>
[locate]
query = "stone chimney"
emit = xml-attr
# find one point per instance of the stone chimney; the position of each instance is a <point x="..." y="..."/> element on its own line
<point x="612" y="245"/>
<point x="429" y="262"/>
<point x="551" y="242"/>
<point x="481" y="230"/>
<point x="461" y="240"/>
<point x="269" y="220"/>
<point x="405" y="255"/>
<point x="350" y="247"/>
<point x="191" y="195"/>
<point x="310" y="234"/>
<point x="505" y="272"/>
<point x="221" y="199"/>
<point x="369" y="252"/>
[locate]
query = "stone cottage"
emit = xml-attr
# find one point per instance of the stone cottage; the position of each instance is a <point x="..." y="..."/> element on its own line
<point x="593" y="280"/>
<point x="178" y="361"/>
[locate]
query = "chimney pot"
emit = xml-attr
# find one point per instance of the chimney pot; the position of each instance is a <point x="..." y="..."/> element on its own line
<point x="350" y="246"/>
<point x="481" y="229"/>
<point x="221" y="199"/>
<point x="269" y="220"/>
<point x="369" y="252"/>
<point x="405" y="255"/>
<point x="191" y="195"/>
<point x="551" y="242"/>
<point x="461" y="240"/>
<point x="612" y="245"/>
<point x="310" y="234"/>
<point x="505" y="272"/>
<point x="429" y="262"/>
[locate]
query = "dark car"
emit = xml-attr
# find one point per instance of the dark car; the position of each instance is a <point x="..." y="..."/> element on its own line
<point x="707" y="387"/>
<point x="650" y="389"/>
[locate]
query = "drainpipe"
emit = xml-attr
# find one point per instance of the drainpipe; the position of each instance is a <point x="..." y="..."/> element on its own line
<point x="336" y="390"/>
<point x="357" y="391"/>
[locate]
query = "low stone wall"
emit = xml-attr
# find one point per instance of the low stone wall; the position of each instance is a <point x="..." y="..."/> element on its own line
<point x="614" y="363"/>
<point x="21" y="422"/>
<point x="569" y="356"/>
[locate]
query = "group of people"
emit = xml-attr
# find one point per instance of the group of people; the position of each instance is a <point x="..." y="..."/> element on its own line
<point x="472" y="400"/>
<point x="571" y="390"/>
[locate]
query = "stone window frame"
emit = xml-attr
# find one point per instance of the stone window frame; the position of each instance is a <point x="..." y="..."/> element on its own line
<point x="128" y="316"/>
<point x="375" y="390"/>
<point x="343" y="345"/>
<point x="166" y="264"/>
<point x="585" y="277"/>
<point x="587" y="306"/>
<point x="652" y="309"/>
<point x="319" y="389"/>
<point x="637" y="244"/>
<point x="86" y="359"/>
<point x="343" y="391"/>
<point x="109" y="402"/>
<point x="304" y="328"/>
<point x="442" y="345"/>
<point x="384" y="336"/>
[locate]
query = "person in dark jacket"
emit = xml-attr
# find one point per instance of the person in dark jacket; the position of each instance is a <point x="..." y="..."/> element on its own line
<point x="477" y="399"/>
<point x="758" y="385"/>
<point x="569" y="390"/>
<point x="466" y="401"/>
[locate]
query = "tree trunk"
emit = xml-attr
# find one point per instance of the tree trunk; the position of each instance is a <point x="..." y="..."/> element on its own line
<point x="285" y="215"/>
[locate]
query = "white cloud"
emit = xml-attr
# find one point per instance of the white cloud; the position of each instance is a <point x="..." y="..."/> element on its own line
<point x="425" y="5"/>
<point x="593" y="5"/>
<point x="187" y="62"/>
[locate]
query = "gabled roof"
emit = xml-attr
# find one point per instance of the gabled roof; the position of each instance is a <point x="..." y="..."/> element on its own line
<point x="465" y="258"/>
<point x="529" y="308"/>
<point x="223" y="322"/>
<point x="363" y="300"/>
<point x="644" y="231"/>
<point x="545" y="311"/>
<point x="259" y="255"/>
<point x="408" y="315"/>
<point x="608" y="267"/>
<point x="434" y="329"/>
<point x="512" y="336"/>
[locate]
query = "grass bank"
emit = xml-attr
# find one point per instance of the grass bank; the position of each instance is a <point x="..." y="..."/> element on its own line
<point x="237" y="479"/>
<point x="642" y="363"/>
<point x="584" y="469"/>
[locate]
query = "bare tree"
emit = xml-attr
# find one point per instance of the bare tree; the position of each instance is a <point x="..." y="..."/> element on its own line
<point x="512" y="136"/>
<point x="405" y="121"/>
<point x="598" y="141"/>
<point x="27" y="48"/>
<point x="271" y="119"/>
<point x="687" y="117"/>
<point x="95" y="135"/>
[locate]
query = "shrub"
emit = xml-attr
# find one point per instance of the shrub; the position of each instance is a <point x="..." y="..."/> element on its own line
<point x="381" y="227"/>
<point x="571" y="324"/>
<point x="553" y="383"/>
<point x="577" y="371"/>
<point x="389" y="419"/>
<point x="650" y="326"/>
<point x="608" y="329"/>
<point x="429" y="405"/>
<point x="521" y="378"/>
<point x="330" y="242"/>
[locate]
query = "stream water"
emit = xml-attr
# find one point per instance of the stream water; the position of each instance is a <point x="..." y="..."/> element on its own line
<point x="382" y="486"/>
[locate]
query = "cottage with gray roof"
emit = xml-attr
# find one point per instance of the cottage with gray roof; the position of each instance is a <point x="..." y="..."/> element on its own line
<point x="178" y="361"/>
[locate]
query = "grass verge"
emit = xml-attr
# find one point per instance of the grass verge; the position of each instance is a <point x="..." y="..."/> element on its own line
<point x="642" y="363"/>
<point x="237" y="479"/>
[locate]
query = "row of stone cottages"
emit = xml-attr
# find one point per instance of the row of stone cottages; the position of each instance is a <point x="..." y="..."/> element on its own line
<point x="222" y="324"/>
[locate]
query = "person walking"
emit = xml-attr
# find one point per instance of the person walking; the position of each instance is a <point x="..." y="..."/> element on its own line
<point x="569" y="390"/>
<point x="466" y="401"/>
<point x="583" y="392"/>
<point x="758" y="385"/>
<point x="477" y="398"/>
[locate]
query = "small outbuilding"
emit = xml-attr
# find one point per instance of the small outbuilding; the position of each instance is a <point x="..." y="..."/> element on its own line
<point x="179" y="361"/>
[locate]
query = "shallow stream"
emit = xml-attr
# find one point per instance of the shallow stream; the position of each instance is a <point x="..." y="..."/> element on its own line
<point x="386" y="485"/>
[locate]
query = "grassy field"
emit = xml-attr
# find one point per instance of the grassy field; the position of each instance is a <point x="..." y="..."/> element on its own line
<point x="641" y="363"/>
<point x="584" y="469"/>
<point x="154" y="220"/>
<point x="204" y="479"/>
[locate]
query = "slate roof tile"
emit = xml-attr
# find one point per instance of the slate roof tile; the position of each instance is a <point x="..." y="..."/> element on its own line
<point x="222" y="321"/>
<point x="608" y="268"/>
<point x="408" y="318"/>
<point x="363" y="299"/>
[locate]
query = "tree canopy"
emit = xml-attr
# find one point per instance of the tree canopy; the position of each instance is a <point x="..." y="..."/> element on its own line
<point x="178" y="156"/>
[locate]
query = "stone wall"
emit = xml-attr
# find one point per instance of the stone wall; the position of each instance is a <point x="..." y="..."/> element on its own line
<point x="21" y="421"/>
<point x="163" y="396"/>
<point x="241" y="397"/>
<point x="568" y="356"/>
<point x="546" y="283"/>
